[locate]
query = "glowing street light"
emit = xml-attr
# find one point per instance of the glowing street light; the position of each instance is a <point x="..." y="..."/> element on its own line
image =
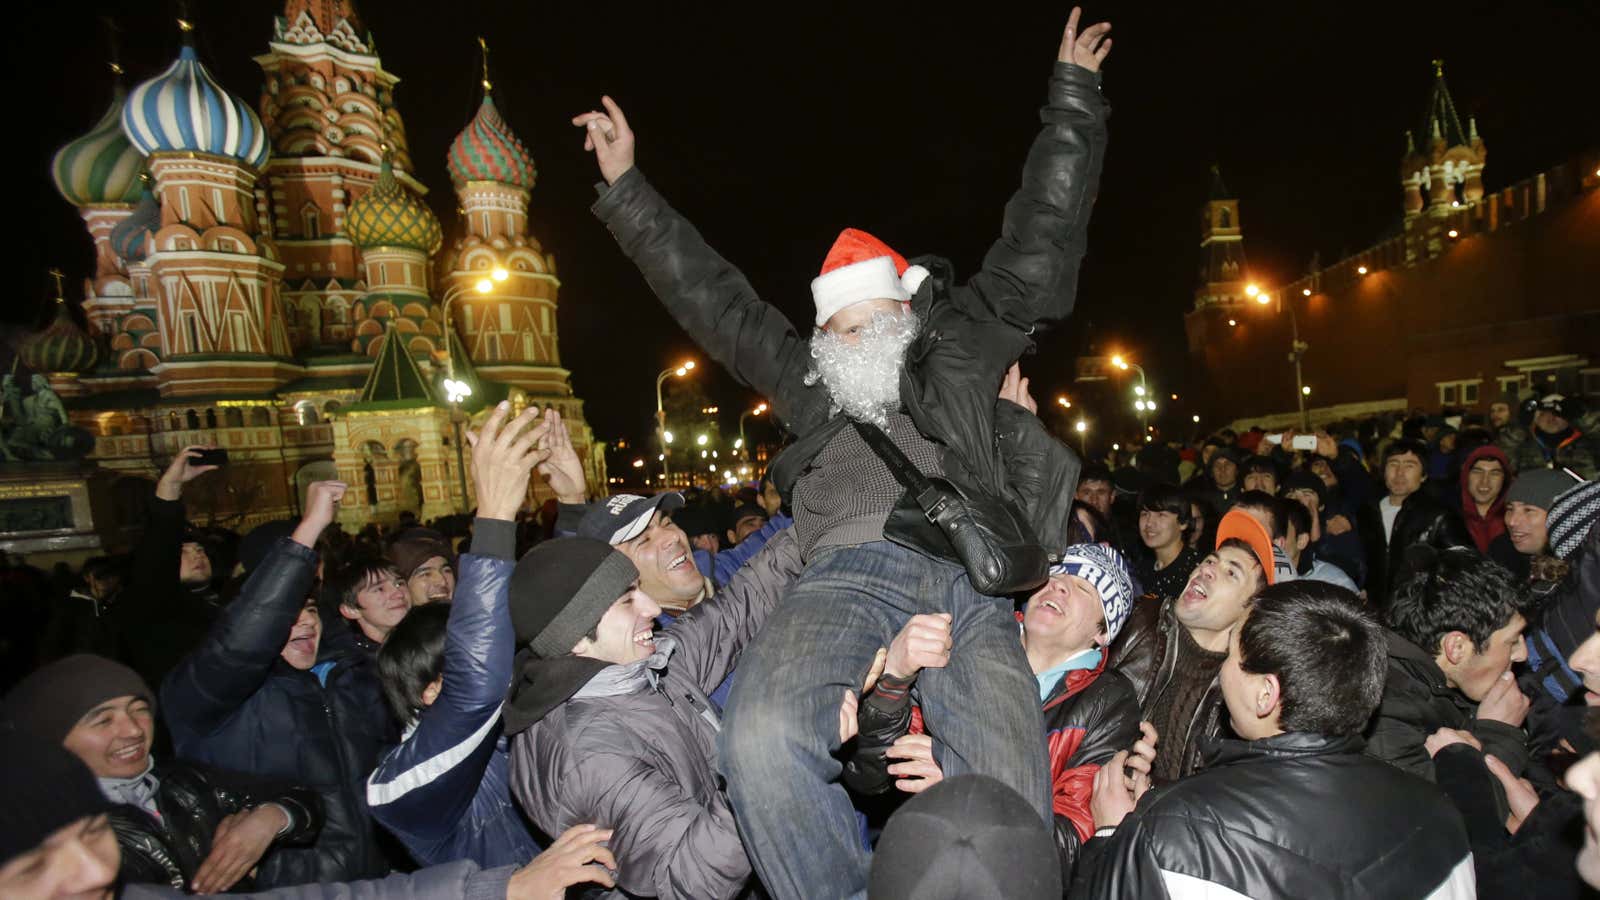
<point x="1306" y="291"/>
<point x="1250" y="290"/>
<point x="679" y="371"/>
<point x="1139" y="389"/>
<point x="1083" y="435"/>
<point x="498" y="273"/>
<point x="1197" y="420"/>
<point x="1361" y="270"/>
<point x="484" y="286"/>
<point x="1305" y="389"/>
<point x="666" y="436"/>
<point x="1453" y="233"/>
<point x="456" y="391"/>
<point x="701" y="439"/>
<point x="1065" y="403"/>
<point x="1232" y="323"/>
<point x="760" y="408"/>
<point x="1263" y="298"/>
<point x="638" y="464"/>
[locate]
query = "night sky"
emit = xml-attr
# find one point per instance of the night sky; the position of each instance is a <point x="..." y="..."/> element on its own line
<point x="774" y="126"/>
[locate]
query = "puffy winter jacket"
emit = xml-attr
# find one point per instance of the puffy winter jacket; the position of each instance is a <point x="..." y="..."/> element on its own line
<point x="234" y="703"/>
<point x="1421" y="520"/>
<point x="1417" y="701"/>
<point x="970" y="334"/>
<point x="446" y="790"/>
<point x="1089" y="715"/>
<point x="192" y="801"/>
<point x="645" y="762"/>
<point x="1290" y="816"/>
<point x="1147" y="653"/>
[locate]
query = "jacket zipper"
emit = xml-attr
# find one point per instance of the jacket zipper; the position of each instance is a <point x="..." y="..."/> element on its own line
<point x="344" y="764"/>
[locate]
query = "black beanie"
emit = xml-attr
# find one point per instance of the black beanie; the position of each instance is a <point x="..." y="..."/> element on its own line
<point x="43" y="788"/>
<point x="50" y="701"/>
<point x="561" y="589"/>
<point x="965" y="838"/>
<point x="1302" y="480"/>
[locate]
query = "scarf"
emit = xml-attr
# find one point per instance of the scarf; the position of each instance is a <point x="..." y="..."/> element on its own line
<point x="617" y="680"/>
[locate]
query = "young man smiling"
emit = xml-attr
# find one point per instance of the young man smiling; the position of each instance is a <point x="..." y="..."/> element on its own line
<point x="373" y="597"/>
<point x="641" y="528"/>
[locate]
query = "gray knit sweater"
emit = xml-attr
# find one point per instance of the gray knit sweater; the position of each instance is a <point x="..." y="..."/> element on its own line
<point x="845" y="496"/>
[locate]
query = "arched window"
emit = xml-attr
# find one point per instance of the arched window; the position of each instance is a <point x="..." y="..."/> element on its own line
<point x="310" y="222"/>
<point x="232" y="417"/>
<point x="1225" y="218"/>
<point x="211" y="418"/>
<point x="192" y="420"/>
<point x="260" y="417"/>
<point x="306" y="412"/>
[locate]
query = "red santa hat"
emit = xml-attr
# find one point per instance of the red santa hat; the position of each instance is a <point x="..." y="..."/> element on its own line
<point x="860" y="267"/>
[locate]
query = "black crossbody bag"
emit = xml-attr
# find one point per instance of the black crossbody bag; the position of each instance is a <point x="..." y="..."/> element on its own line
<point x="987" y="536"/>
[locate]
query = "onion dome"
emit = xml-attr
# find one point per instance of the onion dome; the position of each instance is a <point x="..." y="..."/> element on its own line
<point x="487" y="150"/>
<point x="185" y="110"/>
<point x="63" y="347"/>
<point x="102" y="166"/>
<point x="389" y="215"/>
<point x="130" y="238"/>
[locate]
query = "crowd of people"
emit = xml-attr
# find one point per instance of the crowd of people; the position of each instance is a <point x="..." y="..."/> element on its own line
<point x="1352" y="663"/>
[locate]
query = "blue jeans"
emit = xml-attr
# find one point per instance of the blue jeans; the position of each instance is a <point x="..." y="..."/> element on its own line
<point x="782" y="724"/>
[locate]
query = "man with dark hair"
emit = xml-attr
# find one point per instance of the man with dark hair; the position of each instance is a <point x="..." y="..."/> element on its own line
<point x="1260" y="473"/>
<point x="1455" y="629"/>
<point x="1296" y="544"/>
<point x="372" y="597"/>
<point x="1405" y="516"/>
<point x="1343" y="549"/>
<point x="1096" y="489"/>
<point x="1222" y="485"/>
<point x="1527" y="508"/>
<point x="191" y="827"/>
<point x="1165" y="521"/>
<point x="745" y="521"/>
<point x="1173" y="650"/>
<point x="426" y="564"/>
<point x="1290" y="803"/>
<point x="1486" y="479"/>
<point x="268" y="694"/>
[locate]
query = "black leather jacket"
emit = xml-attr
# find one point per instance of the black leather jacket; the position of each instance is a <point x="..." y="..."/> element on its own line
<point x="1289" y="816"/>
<point x="971" y="332"/>
<point x="1421" y="520"/>
<point x="1147" y="653"/>
<point x="192" y="801"/>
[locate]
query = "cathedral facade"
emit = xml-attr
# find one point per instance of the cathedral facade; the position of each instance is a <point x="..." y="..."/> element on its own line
<point x="269" y="280"/>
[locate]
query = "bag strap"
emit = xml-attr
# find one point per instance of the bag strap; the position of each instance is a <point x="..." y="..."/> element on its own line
<point x="928" y="496"/>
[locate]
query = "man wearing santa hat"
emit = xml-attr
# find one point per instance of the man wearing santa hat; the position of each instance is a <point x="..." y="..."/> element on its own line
<point x="907" y="349"/>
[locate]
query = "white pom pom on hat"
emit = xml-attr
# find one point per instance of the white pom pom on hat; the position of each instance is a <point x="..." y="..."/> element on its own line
<point x="860" y="267"/>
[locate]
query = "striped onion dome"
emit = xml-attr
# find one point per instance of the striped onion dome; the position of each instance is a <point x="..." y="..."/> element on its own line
<point x="389" y="215"/>
<point x="185" y="110"/>
<point x="102" y="166"/>
<point x="487" y="150"/>
<point x="63" y="347"/>
<point x="130" y="237"/>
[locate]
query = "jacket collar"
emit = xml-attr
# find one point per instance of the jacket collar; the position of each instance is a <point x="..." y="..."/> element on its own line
<point x="1287" y="745"/>
<point x="541" y="685"/>
<point x="1075" y="680"/>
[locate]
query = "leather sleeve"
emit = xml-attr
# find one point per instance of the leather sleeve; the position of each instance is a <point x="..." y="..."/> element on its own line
<point x="153" y="575"/>
<point x="1133" y="652"/>
<point x="1042" y="472"/>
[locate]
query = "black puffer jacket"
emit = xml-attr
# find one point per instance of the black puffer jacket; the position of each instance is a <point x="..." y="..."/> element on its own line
<point x="235" y="703"/>
<point x="1291" y="816"/>
<point x="1147" y="653"/>
<point x="1421" y="520"/>
<point x="192" y="801"/>
<point x="970" y="334"/>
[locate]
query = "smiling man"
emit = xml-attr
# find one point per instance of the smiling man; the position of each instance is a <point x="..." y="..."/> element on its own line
<point x="423" y="559"/>
<point x="641" y="528"/>
<point x="1173" y="650"/>
<point x="609" y="719"/>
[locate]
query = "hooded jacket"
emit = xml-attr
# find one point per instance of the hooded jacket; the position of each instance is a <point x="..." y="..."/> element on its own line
<point x="1289" y="816"/>
<point x="445" y="791"/>
<point x="643" y="760"/>
<point x="192" y="801"/>
<point x="1484" y="528"/>
<point x="235" y="703"/>
<point x="1089" y="715"/>
<point x="970" y="332"/>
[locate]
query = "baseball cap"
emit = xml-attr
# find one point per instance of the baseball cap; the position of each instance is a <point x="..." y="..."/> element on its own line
<point x="1240" y="524"/>
<point x="625" y="516"/>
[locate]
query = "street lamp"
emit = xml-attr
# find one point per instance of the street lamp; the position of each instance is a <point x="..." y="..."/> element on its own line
<point x="1140" y="390"/>
<point x="1083" y="436"/>
<point x="661" y="414"/>
<point x="1297" y="350"/>
<point x="456" y="390"/>
<point x="1065" y="403"/>
<point x="743" y="445"/>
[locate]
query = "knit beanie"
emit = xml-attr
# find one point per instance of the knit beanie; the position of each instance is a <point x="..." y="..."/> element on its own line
<point x="966" y="838"/>
<point x="43" y="788"/>
<point x="1104" y="568"/>
<point x="416" y="546"/>
<point x="51" y="700"/>
<point x="562" y="588"/>
<point x="254" y="547"/>
<point x="1302" y="480"/>
<point x="1572" y="516"/>
<point x="1539" y="487"/>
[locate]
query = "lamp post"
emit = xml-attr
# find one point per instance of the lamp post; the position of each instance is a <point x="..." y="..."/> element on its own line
<point x="1083" y="437"/>
<point x="1297" y="349"/>
<point x="1146" y="403"/>
<point x="455" y="391"/>
<point x="661" y="415"/>
<point x="744" y="445"/>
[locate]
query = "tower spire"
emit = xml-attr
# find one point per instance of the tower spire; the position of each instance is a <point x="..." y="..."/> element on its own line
<point x="483" y="47"/>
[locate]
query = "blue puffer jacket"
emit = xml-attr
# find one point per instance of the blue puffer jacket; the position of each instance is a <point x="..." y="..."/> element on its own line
<point x="444" y="791"/>
<point x="234" y="703"/>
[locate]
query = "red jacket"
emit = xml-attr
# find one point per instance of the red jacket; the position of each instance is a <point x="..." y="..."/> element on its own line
<point x="1484" y="529"/>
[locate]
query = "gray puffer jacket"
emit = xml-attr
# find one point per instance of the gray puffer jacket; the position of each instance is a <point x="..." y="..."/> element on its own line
<point x="644" y="761"/>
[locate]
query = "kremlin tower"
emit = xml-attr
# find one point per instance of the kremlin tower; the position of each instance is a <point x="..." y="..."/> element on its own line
<point x="265" y="279"/>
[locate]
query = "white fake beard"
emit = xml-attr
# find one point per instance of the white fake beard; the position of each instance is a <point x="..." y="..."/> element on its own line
<point x="863" y="378"/>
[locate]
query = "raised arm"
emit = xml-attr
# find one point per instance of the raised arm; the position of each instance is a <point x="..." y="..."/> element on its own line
<point x="711" y="299"/>
<point x="1029" y="276"/>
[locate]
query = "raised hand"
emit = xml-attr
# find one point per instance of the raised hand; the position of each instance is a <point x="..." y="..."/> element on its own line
<point x="237" y="846"/>
<point x="608" y="135"/>
<point x="578" y="856"/>
<point x="321" y="508"/>
<point x="924" y="643"/>
<point x="1088" y="49"/>
<point x="561" y="468"/>
<point x="503" y="456"/>
<point x="182" y="470"/>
